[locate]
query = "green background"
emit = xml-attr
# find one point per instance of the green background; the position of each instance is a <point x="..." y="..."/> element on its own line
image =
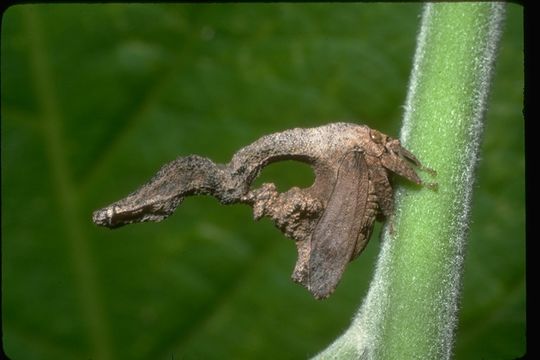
<point x="95" y="98"/>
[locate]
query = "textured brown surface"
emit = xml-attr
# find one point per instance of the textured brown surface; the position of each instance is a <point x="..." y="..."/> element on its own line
<point x="331" y="221"/>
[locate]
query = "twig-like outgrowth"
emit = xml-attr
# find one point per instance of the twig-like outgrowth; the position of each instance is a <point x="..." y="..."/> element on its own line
<point x="331" y="221"/>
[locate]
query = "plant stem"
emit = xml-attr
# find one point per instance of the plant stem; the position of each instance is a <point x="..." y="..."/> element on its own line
<point x="412" y="305"/>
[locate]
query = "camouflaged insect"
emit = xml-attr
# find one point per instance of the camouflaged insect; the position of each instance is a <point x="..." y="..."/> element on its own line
<point x="330" y="221"/>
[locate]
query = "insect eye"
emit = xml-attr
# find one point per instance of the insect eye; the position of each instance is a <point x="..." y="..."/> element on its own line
<point x="376" y="136"/>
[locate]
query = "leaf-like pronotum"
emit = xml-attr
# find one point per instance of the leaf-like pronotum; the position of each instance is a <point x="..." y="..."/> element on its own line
<point x="330" y="221"/>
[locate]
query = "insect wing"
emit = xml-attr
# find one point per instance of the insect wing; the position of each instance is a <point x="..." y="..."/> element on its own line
<point x="334" y="239"/>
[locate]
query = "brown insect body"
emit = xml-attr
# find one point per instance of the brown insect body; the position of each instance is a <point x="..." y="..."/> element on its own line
<point x="362" y="194"/>
<point x="340" y="233"/>
<point x="331" y="221"/>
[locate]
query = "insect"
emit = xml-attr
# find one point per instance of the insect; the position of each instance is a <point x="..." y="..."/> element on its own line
<point x="331" y="221"/>
<point x="345" y="226"/>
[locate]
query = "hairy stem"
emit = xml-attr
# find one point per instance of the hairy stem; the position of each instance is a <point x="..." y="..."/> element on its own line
<point x="412" y="305"/>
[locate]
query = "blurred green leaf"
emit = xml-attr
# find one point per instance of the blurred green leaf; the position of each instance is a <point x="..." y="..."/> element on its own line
<point x="95" y="98"/>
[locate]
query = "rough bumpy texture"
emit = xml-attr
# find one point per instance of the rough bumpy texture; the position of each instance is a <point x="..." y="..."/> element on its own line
<point x="331" y="221"/>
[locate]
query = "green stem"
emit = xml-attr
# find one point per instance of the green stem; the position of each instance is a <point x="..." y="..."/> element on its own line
<point x="412" y="305"/>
